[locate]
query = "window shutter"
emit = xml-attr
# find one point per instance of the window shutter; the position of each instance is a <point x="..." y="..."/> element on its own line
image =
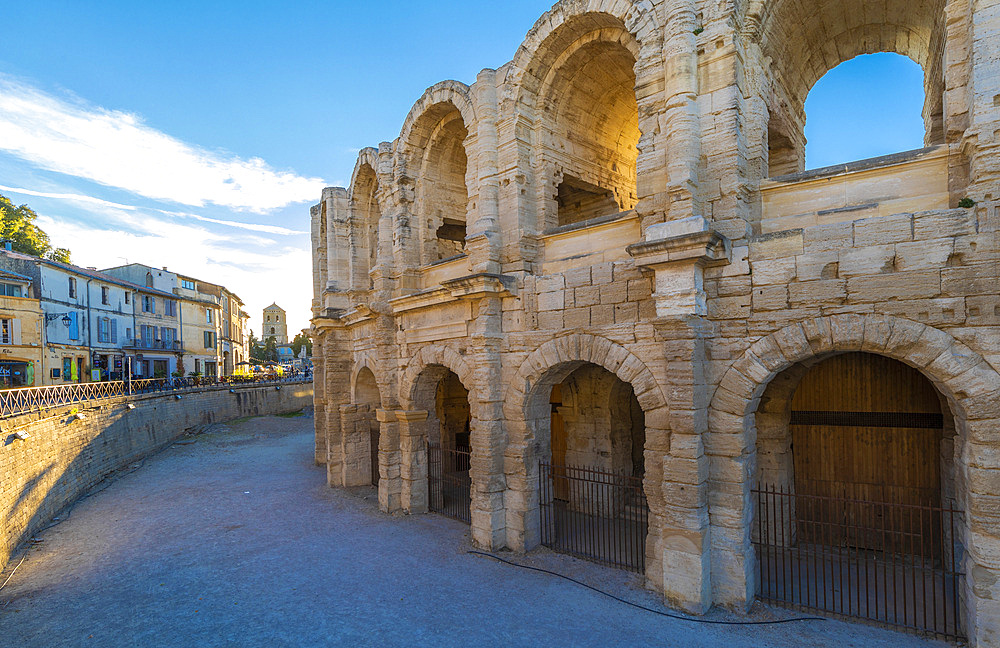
<point x="15" y="332"/>
<point x="74" y="326"/>
<point x="114" y="331"/>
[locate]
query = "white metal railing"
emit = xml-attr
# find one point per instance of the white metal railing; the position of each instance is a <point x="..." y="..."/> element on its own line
<point x="33" y="399"/>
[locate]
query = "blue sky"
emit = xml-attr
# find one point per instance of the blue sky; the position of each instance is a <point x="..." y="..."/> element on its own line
<point x="195" y="135"/>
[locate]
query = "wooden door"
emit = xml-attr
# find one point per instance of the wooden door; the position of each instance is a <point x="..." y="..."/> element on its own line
<point x="866" y="432"/>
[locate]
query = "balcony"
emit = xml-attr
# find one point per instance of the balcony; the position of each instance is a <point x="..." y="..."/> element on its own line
<point x="892" y="184"/>
<point x="173" y="346"/>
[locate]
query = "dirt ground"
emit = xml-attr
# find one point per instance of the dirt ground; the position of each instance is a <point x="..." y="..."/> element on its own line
<point x="232" y="538"/>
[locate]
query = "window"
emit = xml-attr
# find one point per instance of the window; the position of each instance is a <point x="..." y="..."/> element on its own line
<point x="149" y="279"/>
<point x="128" y="331"/>
<point x="186" y="283"/>
<point x="208" y="315"/>
<point x="148" y="304"/>
<point x="128" y="297"/>
<point x="197" y="365"/>
<point x="170" y="307"/>
<point x="103" y="329"/>
<point x="10" y="290"/>
<point x="6" y="331"/>
<point x="72" y="287"/>
<point x="209" y="339"/>
<point x="105" y="295"/>
<point x="67" y="370"/>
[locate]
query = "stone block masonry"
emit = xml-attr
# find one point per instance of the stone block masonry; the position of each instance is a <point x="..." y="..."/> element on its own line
<point x="69" y="449"/>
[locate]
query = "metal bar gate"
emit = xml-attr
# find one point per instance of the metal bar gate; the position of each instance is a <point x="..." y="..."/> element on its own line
<point x="895" y="564"/>
<point x="449" y="487"/>
<point x="593" y="514"/>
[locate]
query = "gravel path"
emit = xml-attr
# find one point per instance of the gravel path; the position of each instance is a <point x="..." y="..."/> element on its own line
<point x="234" y="540"/>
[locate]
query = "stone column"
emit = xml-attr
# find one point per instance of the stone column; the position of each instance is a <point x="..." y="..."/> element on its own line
<point x="677" y="252"/>
<point x="390" y="484"/>
<point x="319" y="394"/>
<point x="413" y="460"/>
<point x="680" y="119"/>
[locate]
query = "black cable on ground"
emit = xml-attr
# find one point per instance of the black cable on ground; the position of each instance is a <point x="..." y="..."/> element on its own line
<point x="643" y="607"/>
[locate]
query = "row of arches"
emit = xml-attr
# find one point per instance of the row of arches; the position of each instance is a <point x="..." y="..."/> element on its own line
<point x="576" y="87"/>
<point x="870" y="404"/>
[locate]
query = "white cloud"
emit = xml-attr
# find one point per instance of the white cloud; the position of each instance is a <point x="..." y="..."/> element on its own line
<point x="116" y="149"/>
<point x="259" y="275"/>
<point x="91" y="201"/>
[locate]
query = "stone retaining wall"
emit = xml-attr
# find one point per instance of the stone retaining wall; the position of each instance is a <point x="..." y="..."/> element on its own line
<point x="64" y="456"/>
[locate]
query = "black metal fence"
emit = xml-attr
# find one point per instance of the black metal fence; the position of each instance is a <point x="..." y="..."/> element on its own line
<point x="449" y="487"/>
<point x="892" y="563"/>
<point x="594" y="514"/>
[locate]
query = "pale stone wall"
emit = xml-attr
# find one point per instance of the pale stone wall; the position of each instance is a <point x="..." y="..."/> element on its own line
<point x="62" y="458"/>
<point x="706" y="265"/>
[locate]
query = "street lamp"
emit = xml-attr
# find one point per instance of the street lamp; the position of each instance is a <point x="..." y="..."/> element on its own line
<point x="66" y="319"/>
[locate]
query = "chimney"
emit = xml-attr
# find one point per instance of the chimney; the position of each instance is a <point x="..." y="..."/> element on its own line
<point x="165" y="269"/>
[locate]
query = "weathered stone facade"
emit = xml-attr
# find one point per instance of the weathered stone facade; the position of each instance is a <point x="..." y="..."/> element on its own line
<point x="627" y="194"/>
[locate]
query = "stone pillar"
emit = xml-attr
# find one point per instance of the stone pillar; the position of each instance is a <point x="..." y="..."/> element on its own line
<point x="319" y="394"/>
<point x="685" y="534"/>
<point x="681" y="119"/>
<point x="677" y="252"/>
<point x="983" y="94"/>
<point x="483" y="240"/>
<point x="390" y="483"/>
<point x="413" y="460"/>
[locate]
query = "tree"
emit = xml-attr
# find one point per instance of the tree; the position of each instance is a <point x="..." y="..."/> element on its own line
<point x="256" y="348"/>
<point x="299" y="341"/>
<point x="271" y="349"/>
<point x="17" y="226"/>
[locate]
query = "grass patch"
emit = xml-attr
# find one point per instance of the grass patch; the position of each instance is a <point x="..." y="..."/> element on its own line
<point x="291" y="414"/>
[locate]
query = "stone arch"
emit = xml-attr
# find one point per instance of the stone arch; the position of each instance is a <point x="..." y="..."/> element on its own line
<point x="969" y="384"/>
<point x="638" y="18"/>
<point x="801" y="42"/>
<point x="583" y="75"/>
<point x="364" y="361"/>
<point x="436" y="157"/>
<point x="577" y="349"/>
<point x="526" y="407"/>
<point x="367" y="156"/>
<point x="433" y="354"/>
<point x="366" y="209"/>
<point x="455" y="93"/>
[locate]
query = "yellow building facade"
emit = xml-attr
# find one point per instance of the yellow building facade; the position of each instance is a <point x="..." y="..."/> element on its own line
<point x="20" y="333"/>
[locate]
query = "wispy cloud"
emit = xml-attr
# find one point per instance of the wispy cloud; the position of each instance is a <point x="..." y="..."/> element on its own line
<point x="117" y="149"/>
<point x="91" y="201"/>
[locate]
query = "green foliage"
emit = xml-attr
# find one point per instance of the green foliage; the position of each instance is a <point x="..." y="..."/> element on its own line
<point x="965" y="203"/>
<point x="256" y="348"/>
<point x="271" y="349"/>
<point x="17" y="225"/>
<point x="298" y="341"/>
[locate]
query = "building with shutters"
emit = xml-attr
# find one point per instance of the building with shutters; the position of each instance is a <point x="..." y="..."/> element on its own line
<point x="201" y="313"/>
<point x="21" y="321"/>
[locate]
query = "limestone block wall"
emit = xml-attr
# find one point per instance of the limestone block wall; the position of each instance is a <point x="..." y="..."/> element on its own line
<point x="64" y="457"/>
<point x="705" y="276"/>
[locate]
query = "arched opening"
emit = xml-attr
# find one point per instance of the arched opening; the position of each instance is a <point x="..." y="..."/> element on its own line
<point x="591" y="435"/>
<point x="866" y="107"/>
<point x="366" y="426"/>
<point x="367" y="215"/>
<point x="442" y="395"/>
<point x="588" y="119"/>
<point x="856" y="510"/>
<point x="801" y="42"/>
<point x="442" y="198"/>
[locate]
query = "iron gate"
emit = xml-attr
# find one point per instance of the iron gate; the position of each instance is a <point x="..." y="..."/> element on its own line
<point x="593" y="514"/>
<point x="894" y="564"/>
<point x="448" y="484"/>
